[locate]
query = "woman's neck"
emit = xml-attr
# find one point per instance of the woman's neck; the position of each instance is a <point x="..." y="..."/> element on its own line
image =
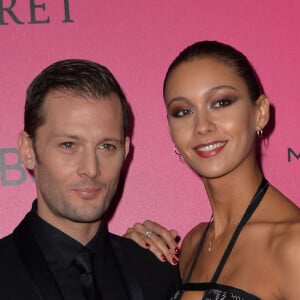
<point x="229" y="197"/>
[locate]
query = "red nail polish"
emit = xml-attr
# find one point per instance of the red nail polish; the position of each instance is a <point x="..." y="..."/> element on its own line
<point x="147" y="245"/>
<point x="177" y="251"/>
<point x="175" y="261"/>
<point x="163" y="257"/>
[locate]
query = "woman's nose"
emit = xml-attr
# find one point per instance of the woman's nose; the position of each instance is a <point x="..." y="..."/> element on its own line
<point x="204" y="123"/>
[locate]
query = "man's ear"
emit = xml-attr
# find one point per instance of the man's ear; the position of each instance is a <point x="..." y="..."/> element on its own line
<point x="26" y="150"/>
<point x="262" y="112"/>
<point x="127" y="146"/>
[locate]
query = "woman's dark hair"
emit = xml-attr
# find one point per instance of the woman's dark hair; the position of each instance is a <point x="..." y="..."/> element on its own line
<point x="83" y="77"/>
<point x="226" y="54"/>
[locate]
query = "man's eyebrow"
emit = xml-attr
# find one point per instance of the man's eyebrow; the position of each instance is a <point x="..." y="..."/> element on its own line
<point x="68" y="136"/>
<point x="112" y="139"/>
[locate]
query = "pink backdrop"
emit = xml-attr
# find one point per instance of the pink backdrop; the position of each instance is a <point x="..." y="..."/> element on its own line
<point x="137" y="39"/>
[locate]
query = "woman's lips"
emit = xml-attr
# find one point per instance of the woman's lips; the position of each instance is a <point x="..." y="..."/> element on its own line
<point x="209" y="150"/>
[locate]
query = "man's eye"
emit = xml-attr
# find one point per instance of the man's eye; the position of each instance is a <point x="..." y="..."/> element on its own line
<point x="67" y="145"/>
<point x="222" y="103"/>
<point x="107" y="147"/>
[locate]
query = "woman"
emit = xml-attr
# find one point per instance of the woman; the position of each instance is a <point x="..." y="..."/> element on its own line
<point x="217" y="112"/>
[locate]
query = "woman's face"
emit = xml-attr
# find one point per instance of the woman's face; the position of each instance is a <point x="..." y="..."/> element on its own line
<point x="212" y="120"/>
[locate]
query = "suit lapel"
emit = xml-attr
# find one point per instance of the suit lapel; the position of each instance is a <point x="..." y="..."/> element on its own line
<point x="34" y="262"/>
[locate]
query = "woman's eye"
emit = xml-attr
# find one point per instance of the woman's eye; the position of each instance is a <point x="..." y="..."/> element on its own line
<point x="181" y="113"/>
<point x="222" y="103"/>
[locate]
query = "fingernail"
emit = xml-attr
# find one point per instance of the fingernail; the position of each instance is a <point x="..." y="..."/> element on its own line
<point x="175" y="261"/>
<point x="163" y="258"/>
<point x="177" y="251"/>
<point x="147" y="245"/>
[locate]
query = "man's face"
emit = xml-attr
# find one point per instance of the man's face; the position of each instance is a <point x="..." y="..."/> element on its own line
<point x="78" y="155"/>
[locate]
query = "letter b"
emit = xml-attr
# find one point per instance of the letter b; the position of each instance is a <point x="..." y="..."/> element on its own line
<point x="15" y="168"/>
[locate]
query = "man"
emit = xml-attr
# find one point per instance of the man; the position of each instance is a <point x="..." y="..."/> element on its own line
<point x="75" y="141"/>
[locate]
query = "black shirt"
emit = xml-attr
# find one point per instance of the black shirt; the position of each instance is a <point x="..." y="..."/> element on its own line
<point x="59" y="251"/>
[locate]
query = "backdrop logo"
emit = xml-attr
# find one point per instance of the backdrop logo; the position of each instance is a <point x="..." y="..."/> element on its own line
<point x="12" y="170"/>
<point x="8" y="14"/>
<point x="292" y="155"/>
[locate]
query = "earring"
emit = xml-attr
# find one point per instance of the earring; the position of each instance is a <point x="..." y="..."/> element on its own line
<point x="260" y="133"/>
<point x="176" y="151"/>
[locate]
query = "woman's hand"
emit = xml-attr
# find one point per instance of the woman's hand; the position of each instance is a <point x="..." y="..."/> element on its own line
<point x="159" y="240"/>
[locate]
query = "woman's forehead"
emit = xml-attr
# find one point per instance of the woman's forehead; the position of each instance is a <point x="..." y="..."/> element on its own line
<point x="202" y="73"/>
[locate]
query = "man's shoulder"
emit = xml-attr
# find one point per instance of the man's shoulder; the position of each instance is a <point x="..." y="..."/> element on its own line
<point x="139" y="257"/>
<point x="6" y="245"/>
<point x="15" y="283"/>
<point x="158" y="280"/>
<point x="9" y="256"/>
<point x="130" y="248"/>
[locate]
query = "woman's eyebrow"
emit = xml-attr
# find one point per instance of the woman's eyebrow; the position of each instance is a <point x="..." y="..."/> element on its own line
<point x="208" y="91"/>
<point x="219" y="87"/>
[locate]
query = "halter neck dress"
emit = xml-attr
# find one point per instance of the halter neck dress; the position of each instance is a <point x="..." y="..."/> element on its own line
<point x="213" y="290"/>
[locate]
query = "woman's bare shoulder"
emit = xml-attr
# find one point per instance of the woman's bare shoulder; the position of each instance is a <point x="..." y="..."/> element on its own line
<point x="286" y="239"/>
<point x="189" y="246"/>
<point x="286" y="256"/>
<point x="284" y="222"/>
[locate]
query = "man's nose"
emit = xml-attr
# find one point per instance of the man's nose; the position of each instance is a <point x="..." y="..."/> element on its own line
<point x="89" y="164"/>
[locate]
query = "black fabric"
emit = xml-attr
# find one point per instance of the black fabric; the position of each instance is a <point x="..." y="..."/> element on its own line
<point x="59" y="251"/>
<point x="26" y="274"/>
<point x="83" y="261"/>
<point x="213" y="290"/>
<point x="27" y="249"/>
<point x="145" y="276"/>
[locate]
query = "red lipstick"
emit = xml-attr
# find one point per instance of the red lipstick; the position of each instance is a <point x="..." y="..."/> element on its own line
<point x="209" y="150"/>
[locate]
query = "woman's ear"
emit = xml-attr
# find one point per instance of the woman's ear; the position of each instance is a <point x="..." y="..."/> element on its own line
<point x="26" y="150"/>
<point x="262" y="112"/>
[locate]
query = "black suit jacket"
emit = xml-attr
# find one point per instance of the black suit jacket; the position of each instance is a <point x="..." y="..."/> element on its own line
<point x="24" y="273"/>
